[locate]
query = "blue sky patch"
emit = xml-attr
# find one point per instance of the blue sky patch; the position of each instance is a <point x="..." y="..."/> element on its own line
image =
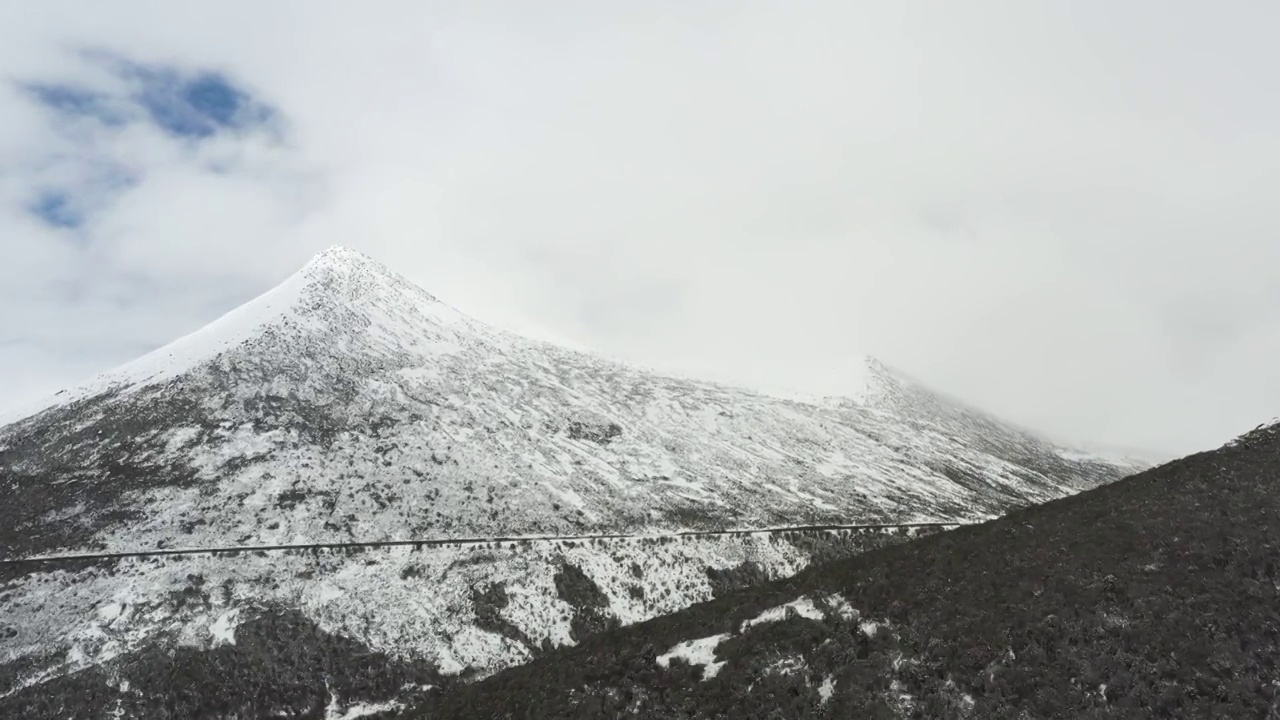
<point x="55" y="208"/>
<point x="67" y="206"/>
<point x="190" y="104"/>
<point x="196" y="106"/>
<point x="76" y="102"/>
<point x="215" y="98"/>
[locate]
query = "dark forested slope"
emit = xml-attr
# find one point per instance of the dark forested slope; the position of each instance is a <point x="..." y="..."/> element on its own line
<point x="1154" y="596"/>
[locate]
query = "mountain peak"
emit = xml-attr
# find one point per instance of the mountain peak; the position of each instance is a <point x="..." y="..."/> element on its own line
<point x="337" y="251"/>
<point x="349" y="277"/>
<point x="340" y="255"/>
<point x="341" y="262"/>
<point x="341" y="297"/>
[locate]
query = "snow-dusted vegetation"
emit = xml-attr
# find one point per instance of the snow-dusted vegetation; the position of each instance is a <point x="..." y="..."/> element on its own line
<point x="462" y="611"/>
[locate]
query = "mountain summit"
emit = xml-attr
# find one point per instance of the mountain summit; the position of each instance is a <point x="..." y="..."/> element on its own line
<point x="347" y="404"/>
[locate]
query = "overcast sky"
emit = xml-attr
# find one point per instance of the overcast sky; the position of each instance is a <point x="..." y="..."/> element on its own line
<point x="1064" y="212"/>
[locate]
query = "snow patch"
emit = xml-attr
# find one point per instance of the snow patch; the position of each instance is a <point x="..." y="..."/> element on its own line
<point x="358" y="710"/>
<point x="572" y="498"/>
<point x="181" y="437"/>
<point x="842" y="607"/>
<point x="223" y="629"/>
<point x="789" y="665"/>
<point x="901" y="700"/>
<point x="826" y="690"/>
<point x="75" y="656"/>
<point x="803" y="607"/>
<point x="697" y="652"/>
<point x="109" y="612"/>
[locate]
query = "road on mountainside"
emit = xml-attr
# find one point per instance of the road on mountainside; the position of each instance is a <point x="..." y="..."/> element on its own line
<point x="232" y="550"/>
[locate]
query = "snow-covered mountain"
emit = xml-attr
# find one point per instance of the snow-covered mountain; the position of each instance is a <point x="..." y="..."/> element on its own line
<point x="347" y="404"/>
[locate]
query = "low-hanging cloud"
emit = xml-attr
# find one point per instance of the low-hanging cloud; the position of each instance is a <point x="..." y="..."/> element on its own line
<point x="1059" y="211"/>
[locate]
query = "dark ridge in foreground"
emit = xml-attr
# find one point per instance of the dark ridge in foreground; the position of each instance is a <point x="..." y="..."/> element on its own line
<point x="1156" y="596"/>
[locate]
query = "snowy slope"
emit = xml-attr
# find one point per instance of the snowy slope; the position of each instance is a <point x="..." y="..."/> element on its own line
<point x="456" y="610"/>
<point x="349" y="404"/>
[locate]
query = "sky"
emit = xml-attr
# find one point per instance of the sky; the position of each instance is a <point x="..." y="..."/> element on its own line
<point x="1062" y="212"/>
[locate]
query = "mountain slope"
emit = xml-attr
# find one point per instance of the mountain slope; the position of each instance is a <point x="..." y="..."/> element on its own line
<point x="1158" y="595"/>
<point x="104" y="631"/>
<point x="349" y="405"/>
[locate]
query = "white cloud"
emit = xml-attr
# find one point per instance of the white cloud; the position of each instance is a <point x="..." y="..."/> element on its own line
<point x="1060" y="211"/>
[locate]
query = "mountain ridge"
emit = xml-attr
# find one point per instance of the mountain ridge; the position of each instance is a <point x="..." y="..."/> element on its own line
<point x="340" y="263"/>
<point x="349" y="404"/>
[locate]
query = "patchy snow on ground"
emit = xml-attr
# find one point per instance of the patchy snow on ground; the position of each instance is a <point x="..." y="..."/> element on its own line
<point x="826" y="689"/>
<point x="802" y="607"/>
<point x="412" y="604"/>
<point x="334" y="711"/>
<point x="788" y="665"/>
<point x="223" y="629"/>
<point x="697" y="652"/>
<point x="842" y="607"/>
